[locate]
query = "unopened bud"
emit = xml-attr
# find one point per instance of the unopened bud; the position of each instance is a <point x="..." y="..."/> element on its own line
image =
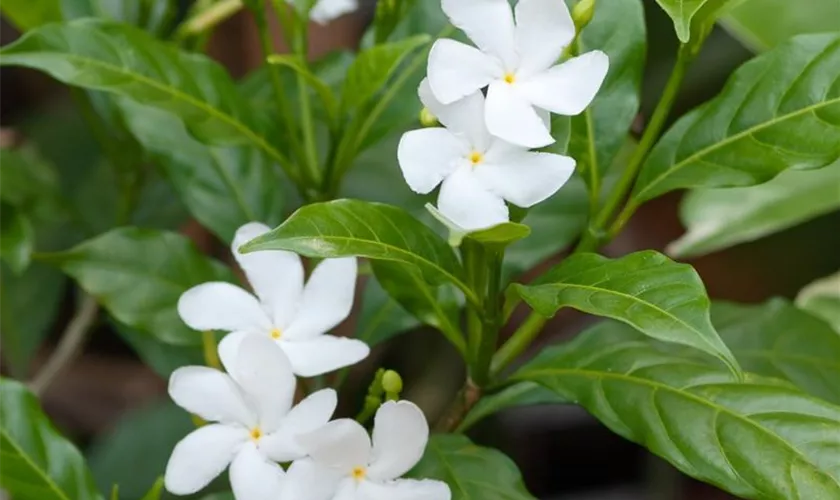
<point x="582" y="13"/>
<point x="392" y="382"/>
<point x="427" y="119"/>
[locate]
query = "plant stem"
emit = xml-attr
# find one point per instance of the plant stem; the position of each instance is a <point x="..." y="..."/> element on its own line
<point x="208" y="19"/>
<point x="527" y="332"/>
<point x="72" y="340"/>
<point x="211" y="353"/>
<point x="492" y="316"/>
<point x="467" y="397"/>
<point x="472" y="255"/>
<point x="307" y="123"/>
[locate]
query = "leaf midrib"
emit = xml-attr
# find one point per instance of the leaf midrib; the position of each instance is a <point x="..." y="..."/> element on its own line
<point x="47" y="479"/>
<point x="687" y="395"/>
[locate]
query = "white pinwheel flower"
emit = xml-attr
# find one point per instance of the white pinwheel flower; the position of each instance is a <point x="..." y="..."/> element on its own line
<point x="477" y="171"/>
<point x="254" y="424"/>
<point x="297" y="317"/>
<point x="325" y="11"/>
<point x="517" y="61"/>
<point x="344" y="465"/>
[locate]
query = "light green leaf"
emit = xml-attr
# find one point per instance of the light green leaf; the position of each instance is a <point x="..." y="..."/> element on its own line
<point x="155" y="16"/>
<point x="376" y="231"/>
<point x="17" y="238"/>
<point x="659" y="297"/>
<point x="518" y="394"/>
<point x="28" y="14"/>
<point x="501" y="235"/>
<point x="822" y="298"/>
<point x="155" y="491"/>
<point x="372" y="69"/>
<point x="472" y="472"/>
<point x="757" y="439"/>
<point x="688" y="15"/>
<point x="763" y="24"/>
<point x="381" y="317"/>
<point x="138" y="276"/>
<point x="38" y="463"/>
<point x="779" y="111"/>
<point x="223" y="187"/>
<point x="122" y="60"/>
<point x="720" y="218"/>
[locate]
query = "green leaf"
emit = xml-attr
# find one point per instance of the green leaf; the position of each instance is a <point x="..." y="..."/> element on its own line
<point x="28" y="14"/>
<point x="155" y="491"/>
<point x="223" y="187"/>
<point x="472" y="472"/>
<point x="16" y="238"/>
<point x="501" y="235"/>
<point x="38" y="463"/>
<point x="95" y="55"/>
<point x="138" y="276"/>
<point x="160" y="357"/>
<point x="763" y="24"/>
<point x="779" y="111"/>
<point x="155" y="16"/>
<point x="381" y="317"/>
<point x="345" y="228"/>
<point x="659" y="297"/>
<point x="29" y="182"/>
<point x="321" y="87"/>
<point x="822" y="298"/>
<point x="618" y="29"/>
<point x="757" y="438"/>
<point x="372" y="69"/>
<point x="518" y="394"/>
<point x="720" y="218"/>
<point x="151" y="433"/>
<point x="688" y="15"/>
<point x="778" y="340"/>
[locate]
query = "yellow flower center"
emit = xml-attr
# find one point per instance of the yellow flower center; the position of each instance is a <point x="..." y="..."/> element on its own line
<point x="276" y="334"/>
<point x="359" y="473"/>
<point x="510" y="78"/>
<point x="256" y="433"/>
<point x="476" y="158"/>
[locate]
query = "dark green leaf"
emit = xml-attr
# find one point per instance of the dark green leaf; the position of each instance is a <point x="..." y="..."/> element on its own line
<point x="345" y="228"/>
<point x="659" y="297"/>
<point x="689" y="14"/>
<point x="160" y="357"/>
<point x="139" y="274"/>
<point x="28" y="14"/>
<point x="763" y="24"/>
<point x="155" y="16"/>
<point x="38" y="463"/>
<point x="780" y="111"/>
<point x="757" y="438"/>
<point x="29" y="182"/>
<point x="472" y="472"/>
<point x="16" y="238"/>
<point x="381" y="317"/>
<point x="822" y="298"/>
<point x="720" y="218"/>
<point x="518" y="394"/>
<point x="501" y="235"/>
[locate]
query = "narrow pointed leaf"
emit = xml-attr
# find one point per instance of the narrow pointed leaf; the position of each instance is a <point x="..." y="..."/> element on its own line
<point x="822" y="298"/>
<point x="38" y="463"/>
<point x="659" y="297"/>
<point x="758" y="439"/>
<point x="779" y="111"/>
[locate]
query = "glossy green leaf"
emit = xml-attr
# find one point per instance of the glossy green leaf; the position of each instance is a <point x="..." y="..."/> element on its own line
<point x="38" y="463"/>
<point x="720" y="218"/>
<point x="689" y="14"/>
<point x="518" y="394"/>
<point x="95" y="55"/>
<point x="758" y="438"/>
<point x="17" y="238"/>
<point x="381" y="317"/>
<point x="376" y="231"/>
<point x="150" y="432"/>
<point x="763" y="24"/>
<point x="618" y="29"/>
<point x="501" y="235"/>
<point x="138" y="276"/>
<point x="822" y="298"/>
<point x="223" y="187"/>
<point x="373" y="67"/>
<point x="28" y="14"/>
<point x="659" y="297"/>
<point x="155" y="16"/>
<point x="779" y="111"/>
<point x="472" y="472"/>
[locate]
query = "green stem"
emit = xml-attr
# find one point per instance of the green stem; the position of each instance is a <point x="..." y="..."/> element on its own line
<point x="474" y="266"/>
<point x="307" y="123"/>
<point x="521" y="339"/>
<point x="211" y="353"/>
<point x="204" y="21"/>
<point x="492" y="316"/>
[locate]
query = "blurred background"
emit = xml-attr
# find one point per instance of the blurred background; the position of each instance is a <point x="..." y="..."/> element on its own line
<point x="115" y="407"/>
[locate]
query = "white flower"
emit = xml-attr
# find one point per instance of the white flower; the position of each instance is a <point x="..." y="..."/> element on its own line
<point x="345" y="466"/>
<point x="325" y="11"/>
<point x="296" y="317"/>
<point x="478" y="172"/>
<point x="517" y="61"/>
<point x="255" y="424"/>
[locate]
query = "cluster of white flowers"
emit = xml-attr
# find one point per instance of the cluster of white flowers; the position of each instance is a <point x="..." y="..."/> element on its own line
<point x="482" y="157"/>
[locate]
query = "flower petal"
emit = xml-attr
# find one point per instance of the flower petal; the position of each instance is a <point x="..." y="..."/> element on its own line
<point x="326" y="301"/>
<point x="525" y="178"/>
<point x="465" y="201"/>
<point x="310" y="414"/>
<point x="568" y="88"/>
<point x="229" y="349"/>
<point x="265" y="374"/>
<point x="400" y="434"/>
<point x="221" y="306"/>
<point x="427" y="156"/>
<point x="210" y="394"/>
<point x="307" y="480"/>
<point x="543" y="29"/>
<point x="348" y="489"/>
<point x="512" y="117"/>
<point x="405" y="489"/>
<point x="488" y="23"/>
<point x="328" y="10"/>
<point x="342" y="444"/>
<point x="276" y="276"/>
<point x="457" y="70"/>
<point x="254" y="477"/>
<point x="201" y="456"/>
<point x="464" y="118"/>
<point x="323" y="354"/>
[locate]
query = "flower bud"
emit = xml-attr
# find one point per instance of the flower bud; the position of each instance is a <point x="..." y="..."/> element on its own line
<point x="582" y="13"/>
<point x="392" y="383"/>
<point x="427" y="119"/>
